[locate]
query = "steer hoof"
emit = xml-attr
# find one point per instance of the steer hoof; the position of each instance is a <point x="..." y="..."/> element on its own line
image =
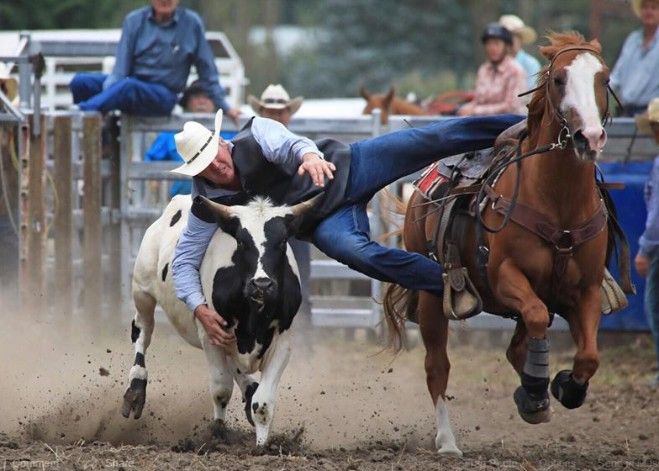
<point x="570" y="393"/>
<point x="249" y="392"/>
<point x="134" y="399"/>
<point x="534" y="410"/>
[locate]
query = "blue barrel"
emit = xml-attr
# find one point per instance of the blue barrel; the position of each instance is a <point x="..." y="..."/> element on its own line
<point x="632" y="213"/>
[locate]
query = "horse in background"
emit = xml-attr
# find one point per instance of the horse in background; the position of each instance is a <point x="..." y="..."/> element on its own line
<point x="389" y="104"/>
<point x="534" y="239"/>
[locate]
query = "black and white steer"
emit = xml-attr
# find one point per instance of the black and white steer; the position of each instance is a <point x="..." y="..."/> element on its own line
<point x="250" y="276"/>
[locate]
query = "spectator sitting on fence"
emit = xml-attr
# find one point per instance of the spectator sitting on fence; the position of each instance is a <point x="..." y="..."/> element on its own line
<point x="195" y="99"/>
<point x="8" y="86"/>
<point x="647" y="259"/>
<point x="159" y="43"/>
<point x="634" y="75"/>
<point x="276" y="104"/>
<point x="522" y="35"/>
<point x="499" y="80"/>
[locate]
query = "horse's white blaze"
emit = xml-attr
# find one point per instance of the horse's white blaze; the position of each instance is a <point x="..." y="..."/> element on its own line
<point x="580" y="97"/>
<point x="444" y="441"/>
<point x="254" y="222"/>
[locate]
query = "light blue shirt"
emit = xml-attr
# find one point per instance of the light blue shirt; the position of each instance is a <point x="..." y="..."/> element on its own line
<point x="164" y="52"/>
<point x="650" y="237"/>
<point x="531" y="65"/>
<point x="636" y="73"/>
<point x="279" y="146"/>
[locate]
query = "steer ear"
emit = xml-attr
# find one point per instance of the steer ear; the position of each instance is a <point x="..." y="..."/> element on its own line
<point x="219" y="210"/>
<point x="301" y="208"/>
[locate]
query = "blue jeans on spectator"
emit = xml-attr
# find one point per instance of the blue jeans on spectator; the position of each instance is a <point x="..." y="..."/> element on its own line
<point x="651" y="301"/>
<point x="128" y="95"/>
<point x="345" y="234"/>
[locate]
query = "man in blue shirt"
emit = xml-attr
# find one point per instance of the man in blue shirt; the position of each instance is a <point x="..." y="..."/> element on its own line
<point x="159" y="43"/>
<point x="635" y="76"/>
<point x="647" y="259"/>
<point x="265" y="158"/>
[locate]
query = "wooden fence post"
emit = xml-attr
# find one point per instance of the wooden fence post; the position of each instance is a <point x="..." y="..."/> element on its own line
<point x="91" y="151"/>
<point x="33" y="221"/>
<point x="62" y="223"/>
<point x="114" y="249"/>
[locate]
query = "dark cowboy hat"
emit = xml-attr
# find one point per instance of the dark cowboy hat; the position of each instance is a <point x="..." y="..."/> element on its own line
<point x="195" y="88"/>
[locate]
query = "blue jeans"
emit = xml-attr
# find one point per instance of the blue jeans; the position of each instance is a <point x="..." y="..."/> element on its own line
<point x="345" y="234"/>
<point x="128" y="95"/>
<point x="651" y="299"/>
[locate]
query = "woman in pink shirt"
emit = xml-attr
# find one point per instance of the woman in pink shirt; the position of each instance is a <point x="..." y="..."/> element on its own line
<point x="500" y="79"/>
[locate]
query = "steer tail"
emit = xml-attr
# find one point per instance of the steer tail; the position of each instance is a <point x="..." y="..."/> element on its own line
<point x="399" y="305"/>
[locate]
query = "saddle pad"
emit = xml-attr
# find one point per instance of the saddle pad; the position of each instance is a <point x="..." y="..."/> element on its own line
<point x="431" y="180"/>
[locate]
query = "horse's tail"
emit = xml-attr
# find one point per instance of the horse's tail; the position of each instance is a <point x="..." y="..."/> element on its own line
<point x="399" y="305"/>
<point x="391" y="210"/>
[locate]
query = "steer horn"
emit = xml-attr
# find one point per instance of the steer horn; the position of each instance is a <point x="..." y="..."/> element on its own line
<point x="305" y="206"/>
<point x="219" y="209"/>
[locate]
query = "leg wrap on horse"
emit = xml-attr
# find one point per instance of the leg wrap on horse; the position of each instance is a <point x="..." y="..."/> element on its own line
<point x="570" y="393"/>
<point x="535" y="376"/>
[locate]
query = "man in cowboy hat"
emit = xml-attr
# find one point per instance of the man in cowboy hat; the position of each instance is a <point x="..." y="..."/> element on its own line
<point x="267" y="159"/>
<point x="522" y="35"/>
<point x="647" y="259"/>
<point x="8" y="85"/>
<point x="635" y="76"/>
<point x="276" y="104"/>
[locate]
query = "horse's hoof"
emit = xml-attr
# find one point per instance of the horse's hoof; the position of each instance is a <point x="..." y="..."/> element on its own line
<point x="134" y="399"/>
<point x="533" y="410"/>
<point x="450" y="450"/>
<point x="569" y="393"/>
<point x="249" y="392"/>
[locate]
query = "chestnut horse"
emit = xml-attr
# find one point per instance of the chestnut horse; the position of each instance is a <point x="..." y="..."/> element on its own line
<point x="389" y="103"/>
<point x="529" y="275"/>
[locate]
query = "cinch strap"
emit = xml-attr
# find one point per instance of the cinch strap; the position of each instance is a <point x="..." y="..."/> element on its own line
<point x="200" y="150"/>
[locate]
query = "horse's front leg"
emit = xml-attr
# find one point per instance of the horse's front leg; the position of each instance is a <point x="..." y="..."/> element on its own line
<point x="514" y="290"/>
<point x="570" y="387"/>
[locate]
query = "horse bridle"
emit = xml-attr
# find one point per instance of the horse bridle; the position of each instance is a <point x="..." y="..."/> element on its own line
<point x="564" y="135"/>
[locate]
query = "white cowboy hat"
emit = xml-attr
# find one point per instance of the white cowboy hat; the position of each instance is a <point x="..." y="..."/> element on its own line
<point x="636" y="6"/>
<point x="197" y="145"/>
<point x="275" y="97"/>
<point x="650" y="116"/>
<point x="10" y="82"/>
<point x="515" y="25"/>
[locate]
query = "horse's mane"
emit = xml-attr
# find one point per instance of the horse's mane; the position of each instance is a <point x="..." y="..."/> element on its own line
<point x="557" y="41"/>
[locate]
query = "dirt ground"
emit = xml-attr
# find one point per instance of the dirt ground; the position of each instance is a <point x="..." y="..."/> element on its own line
<point x="343" y="405"/>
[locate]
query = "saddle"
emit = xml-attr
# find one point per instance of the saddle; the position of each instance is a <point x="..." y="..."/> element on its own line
<point x="451" y="185"/>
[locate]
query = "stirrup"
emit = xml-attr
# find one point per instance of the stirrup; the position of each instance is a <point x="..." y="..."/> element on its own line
<point x="613" y="298"/>
<point x="461" y="299"/>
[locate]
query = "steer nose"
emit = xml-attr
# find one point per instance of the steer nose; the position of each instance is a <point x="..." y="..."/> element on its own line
<point x="261" y="286"/>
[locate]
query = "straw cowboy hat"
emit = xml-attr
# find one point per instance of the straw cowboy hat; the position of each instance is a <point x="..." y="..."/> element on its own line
<point x="636" y="6"/>
<point x="197" y="145"/>
<point x="650" y="116"/>
<point x="275" y="97"/>
<point x="515" y="25"/>
<point x="9" y="82"/>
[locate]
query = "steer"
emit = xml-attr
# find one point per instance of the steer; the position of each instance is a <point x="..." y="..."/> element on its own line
<point x="249" y="275"/>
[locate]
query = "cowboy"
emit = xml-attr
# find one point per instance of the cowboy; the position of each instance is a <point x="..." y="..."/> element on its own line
<point x="265" y="158"/>
<point x="276" y="104"/>
<point x="499" y="80"/>
<point x="635" y="76"/>
<point x="159" y="43"/>
<point x="8" y="86"/>
<point x="647" y="259"/>
<point x="522" y="35"/>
